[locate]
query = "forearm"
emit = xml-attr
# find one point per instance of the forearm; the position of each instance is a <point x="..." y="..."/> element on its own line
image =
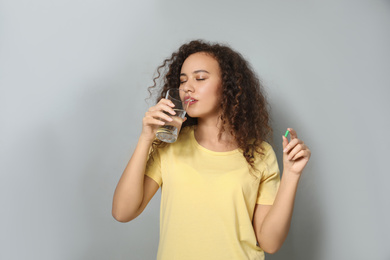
<point x="276" y="224"/>
<point x="129" y="192"/>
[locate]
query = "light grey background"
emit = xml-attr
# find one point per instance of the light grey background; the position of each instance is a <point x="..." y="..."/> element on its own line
<point x="73" y="80"/>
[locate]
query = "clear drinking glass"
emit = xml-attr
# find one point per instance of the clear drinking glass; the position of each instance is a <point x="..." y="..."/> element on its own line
<point x="170" y="131"/>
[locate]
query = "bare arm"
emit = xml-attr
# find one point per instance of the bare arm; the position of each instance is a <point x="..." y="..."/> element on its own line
<point x="272" y="223"/>
<point x="134" y="190"/>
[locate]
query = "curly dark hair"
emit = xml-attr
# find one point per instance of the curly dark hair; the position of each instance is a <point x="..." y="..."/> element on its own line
<point x="245" y="110"/>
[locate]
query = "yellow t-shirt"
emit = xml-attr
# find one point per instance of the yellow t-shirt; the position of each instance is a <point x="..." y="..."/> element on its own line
<point x="208" y="199"/>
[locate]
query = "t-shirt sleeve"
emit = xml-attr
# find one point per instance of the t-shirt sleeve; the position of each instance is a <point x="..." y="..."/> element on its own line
<point x="153" y="167"/>
<point x="270" y="179"/>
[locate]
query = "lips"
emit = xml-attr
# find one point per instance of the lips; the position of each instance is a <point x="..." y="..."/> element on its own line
<point x="190" y="101"/>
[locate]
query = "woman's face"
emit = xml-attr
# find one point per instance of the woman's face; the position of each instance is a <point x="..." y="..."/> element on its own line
<point x="200" y="76"/>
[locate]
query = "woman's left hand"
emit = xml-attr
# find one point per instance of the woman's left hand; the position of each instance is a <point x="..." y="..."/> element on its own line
<point x="295" y="153"/>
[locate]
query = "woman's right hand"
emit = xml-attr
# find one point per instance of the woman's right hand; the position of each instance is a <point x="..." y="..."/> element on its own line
<point x="155" y="117"/>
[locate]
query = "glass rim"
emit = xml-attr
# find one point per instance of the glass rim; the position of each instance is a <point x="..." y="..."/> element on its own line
<point x="175" y="89"/>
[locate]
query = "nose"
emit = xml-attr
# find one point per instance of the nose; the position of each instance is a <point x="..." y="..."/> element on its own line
<point x="188" y="87"/>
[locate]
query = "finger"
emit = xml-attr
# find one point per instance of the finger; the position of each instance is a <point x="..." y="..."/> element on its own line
<point x="153" y="121"/>
<point x="301" y="154"/>
<point x="166" y="101"/>
<point x="291" y="145"/>
<point x="159" y="115"/>
<point x="163" y="106"/>
<point x="163" y="101"/>
<point x="185" y="118"/>
<point x="285" y="141"/>
<point x="167" y="109"/>
<point x="295" y="150"/>
<point x="293" y="133"/>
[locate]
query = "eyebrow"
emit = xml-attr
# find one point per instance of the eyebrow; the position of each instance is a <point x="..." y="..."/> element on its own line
<point x="195" y="72"/>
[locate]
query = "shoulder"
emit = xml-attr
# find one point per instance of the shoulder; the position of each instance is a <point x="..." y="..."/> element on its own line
<point x="266" y="147"/>
<point x="267" y="154"/>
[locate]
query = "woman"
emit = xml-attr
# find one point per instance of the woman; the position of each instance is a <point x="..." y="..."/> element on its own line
<point x="222" y="197"/>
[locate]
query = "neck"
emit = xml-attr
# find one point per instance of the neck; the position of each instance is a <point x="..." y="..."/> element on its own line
<point x="207" y="131"/>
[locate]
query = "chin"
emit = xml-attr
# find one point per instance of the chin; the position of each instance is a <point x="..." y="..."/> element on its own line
<point x="192" y="114"/>
<point x="202" y="113"/>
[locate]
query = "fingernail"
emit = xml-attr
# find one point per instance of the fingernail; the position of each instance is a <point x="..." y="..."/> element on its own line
<point x="285" y="150"/>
